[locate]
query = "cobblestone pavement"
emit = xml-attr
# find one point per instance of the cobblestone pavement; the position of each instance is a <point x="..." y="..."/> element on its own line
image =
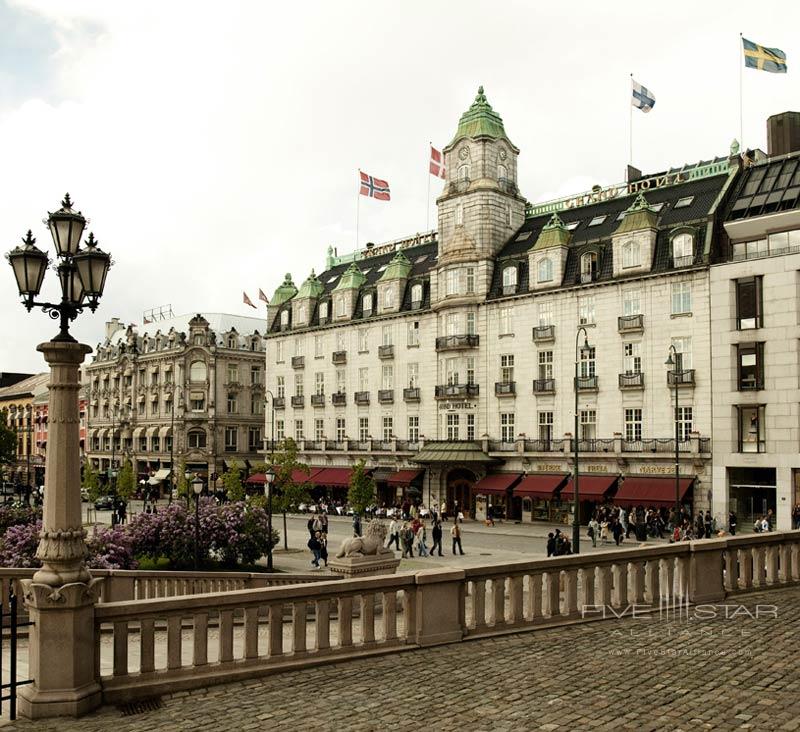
<point x="635" y="674"/>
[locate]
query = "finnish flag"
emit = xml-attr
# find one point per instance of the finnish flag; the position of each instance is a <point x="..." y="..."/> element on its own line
<point x="642" y="98"/>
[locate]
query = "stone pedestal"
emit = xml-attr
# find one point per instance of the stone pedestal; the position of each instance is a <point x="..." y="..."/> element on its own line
<point x="366" y="566"/>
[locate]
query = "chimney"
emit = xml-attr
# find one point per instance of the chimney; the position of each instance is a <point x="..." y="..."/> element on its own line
<point x="112" y="326"/>
<point x="632" y="174"/>
<point x="783" y="133"/>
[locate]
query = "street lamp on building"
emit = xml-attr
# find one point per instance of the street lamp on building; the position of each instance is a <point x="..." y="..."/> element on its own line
<point x="197" y="487"/>
<point x="672" y="362"/>
<point x="576" y="523"/>
<point x="269" y="477"/>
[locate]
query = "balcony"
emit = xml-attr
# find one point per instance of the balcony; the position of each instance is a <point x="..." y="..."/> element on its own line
<point x="631" y="381"/>
<point x="456" y="391"/>
<point x="657" y="445"/>
<point x="412" y="394"/>
<point x="279" y="403"/>
<point x="502" y="446"/>
<point x="630" y="323"/>
<point x="361" y="398"/>
<point x="416" y="304"/>
<point x="383" y="445"/>
<point x="339" y="399"/>
<point x="544" y="386"/>
<point x="298" y="401"/>
<point x="544" y="333"/>
<point x="587" y="277"/>
<point x="339" y="357"/>
<point x="681" y="378"/>
<point x="359" y="445"/>
<point x="457" y="342"/>
<point x="298" y="362"/>
<point x="317" y="400"/>
<point x="505" y="388"/>
<point x="510" y="289"/>
<point x="547" y="445"/>
<point x="594" y="444"/>
<point x="586" y="383"/>
<point x="386" y="352"/>
<point x="685" y="261"/>
<point x="386" y="396"/>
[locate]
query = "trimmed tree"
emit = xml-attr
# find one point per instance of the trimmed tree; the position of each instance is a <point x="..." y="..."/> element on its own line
<point x="232" y="480"/>
<point x="181" y="483"/>
<point x="289" y="495"/>
<point x="8" y="441"/>
<point x="361" y="493"/>
<point x="90" y="481"/>
<point x="126" y="481"/>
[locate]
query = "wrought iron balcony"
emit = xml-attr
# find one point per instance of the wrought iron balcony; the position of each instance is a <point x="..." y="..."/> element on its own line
<point x="386" y="352"/>
<point x="544" y="386"/>
<point x="505" y="388"/>
<point x="510" y="289"/>
<point x="686" y="261"/>
<point x="279" y="403"/>
<point x="298" y="401"/>
<point x="547" y="445"/>
<point x="411" y="394"/>
<point x="298" y="362"/>
<point x="631" y="381"/>
<point x="339" y="357"/>
<point x="587" y="383"/>
<point x="361" y="398"/>
<point x="502" y="446"/>
<point x="450" y="391"/>
<point x="587" y="277"/>
<point x="457" y="342"/>
<point x="339" y="399"/>
<point x="544" y="333"/>
<point x="630" y="323"/>
<point x="386" y="396"/>
<point x="681" y="378"/>
<point x="317" y="400"/>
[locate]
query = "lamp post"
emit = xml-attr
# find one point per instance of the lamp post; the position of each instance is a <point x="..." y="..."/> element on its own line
<point x="61" y="595"/>
<point x="576" y="524"/>
<point x="29" y="445"/>
<point x="178" y="391"/>
<point x="269" y="476"/>
<point x="672" y="362"/>
<point x="197" y="487"/>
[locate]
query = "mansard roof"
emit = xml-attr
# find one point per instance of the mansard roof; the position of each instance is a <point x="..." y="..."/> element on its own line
<point x="766" y="188"/>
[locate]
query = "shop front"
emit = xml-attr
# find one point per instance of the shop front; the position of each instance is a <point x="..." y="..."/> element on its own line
<point x="647" y="491"/>
<point x="752" y="494"/>
<point x="492" y="496"/>
<point x="534" y="498"/>
<point x="593" y="491"/>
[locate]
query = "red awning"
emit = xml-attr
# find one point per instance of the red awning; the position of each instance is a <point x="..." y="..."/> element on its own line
<point x="542" y="485"/>
<point x="336" y="477"/>
<point x="638" y="490"/>
<point x="403" y="477"/>
<point x="298" y="477"/>
<point x="590" y="487"/>
<point x="497" y="483"/>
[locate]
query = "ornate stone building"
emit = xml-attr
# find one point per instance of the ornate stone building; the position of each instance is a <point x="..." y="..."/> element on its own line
<point x="185" y="388"/>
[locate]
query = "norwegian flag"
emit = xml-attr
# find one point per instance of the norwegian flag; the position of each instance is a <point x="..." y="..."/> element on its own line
<point x="247" y="301"/>
<point x="262" y="296"/>
<point x="374" y="187"/>
<point x="437" y="163"/>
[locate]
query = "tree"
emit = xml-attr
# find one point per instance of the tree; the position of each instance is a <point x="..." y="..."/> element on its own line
<point x="288" y="495"/>
<point x="90" y="481"/>
<point x="126" y="481"/>
<point x="8" y="441"/>
<point x="232" y="480"/>
<point x="181" y="482"/>
<point x="361" y="493"/>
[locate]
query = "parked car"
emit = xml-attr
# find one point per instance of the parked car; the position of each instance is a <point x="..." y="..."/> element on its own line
<point x="104" y="503"/>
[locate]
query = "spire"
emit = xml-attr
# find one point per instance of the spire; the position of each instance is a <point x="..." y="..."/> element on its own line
<point x="480" y="120"/>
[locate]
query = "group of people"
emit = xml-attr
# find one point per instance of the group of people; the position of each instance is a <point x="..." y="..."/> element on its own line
<point x="318" y="539"/>
<point x="413" y="534"/>
<point x="558" y="544"/>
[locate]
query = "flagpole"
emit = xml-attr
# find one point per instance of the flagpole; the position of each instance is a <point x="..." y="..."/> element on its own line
<point x="428" y="197"/>
<point x="630" y="124"/>
<point x="740" y="55"/>
<point x="358" y="205"/>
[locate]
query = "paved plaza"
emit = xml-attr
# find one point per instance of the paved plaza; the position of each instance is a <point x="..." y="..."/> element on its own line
<point x="635" y="674"/>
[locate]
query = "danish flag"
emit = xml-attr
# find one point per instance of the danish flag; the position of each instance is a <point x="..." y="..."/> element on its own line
<point x="437" y="163"/>
<point x="374" y="187"/>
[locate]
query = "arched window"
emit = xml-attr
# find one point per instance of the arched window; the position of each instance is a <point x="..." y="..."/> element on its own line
<point x="196" y="439"/>
<point x="682" y="250"/>
<point x="631" y="254"/>
<point x="463" y="173"/>
<point x="255" y="343"/>
<point x="510" y="278"/>
<point x="502" y="173"/>
<point x="388" y="298"/>
<point x="416" y="295"/>
<point x="284" y="318"/>
<point x="589" y="267"/>
<point x="198" y="371"/>
<point x="366" y="303"/>
<point x="323" y="311"/>
<point x="198" y="339"/>
<point x="459" y="214"/>
<point x="231" y="341"/>
<point x="545" y="270"/>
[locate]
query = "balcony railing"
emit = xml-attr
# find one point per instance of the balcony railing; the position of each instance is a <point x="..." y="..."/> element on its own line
<point x="587" y="277"/>
<point x="383" y="445"/>
<point x="359" y="445"/>
<point x="656" y="444"/>
<point x="449" y="391"/>
<point x="298" y="401"/>
<point x="630" y="323"/>
<point x="594" y="444"/>
<point x="544" y="333"/>
<point x="505" y="388"/>
<point x="361" y="398"/>
<point x="416" y="304"/>
<point x="386" y="396"/>
<point x="544" y="386"/>
<point x="279" y="403"/>
<point x="686" y="261"/>
<point x="510" y="289"/>
<point x="411" y="394"/>
<point x="408" y="445"/>
<point x="631" y="381"/>
<point x="587" y="383"/>
<point x="298" y="362"/>
<point x="339" y="357"/>
<point x="339" y="399"/>
<point x="681" y="378"/>
<point x="457" y="342"/>
<point x="317" y="400"/>
<point x="386" y="352"/>
<point x="502" y="446"/>
<point x="545" y="445"/>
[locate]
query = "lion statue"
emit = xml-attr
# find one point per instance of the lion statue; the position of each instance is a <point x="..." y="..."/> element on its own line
<point x="369" y="544"/>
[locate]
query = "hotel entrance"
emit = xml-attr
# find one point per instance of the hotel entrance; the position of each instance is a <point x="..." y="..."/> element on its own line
<point x="460" y="483"/>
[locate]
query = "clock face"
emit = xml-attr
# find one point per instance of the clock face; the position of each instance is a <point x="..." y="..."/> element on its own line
<point x="463" y="153"/>
<point x="503" y="155"/>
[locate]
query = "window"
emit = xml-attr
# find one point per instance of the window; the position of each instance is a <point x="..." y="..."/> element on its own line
<point x="301" y="313"/>
<point x="196" y="439"/>
<point x="197" y="371"/>
<point x="363" y="428"/>
<point x="363" y="343"/>
<point x="633" y="425"/>
<point x="546" y="426"/>
<point x="588" y="424"/>
<point x="341" y="341"/>
<point x="507" y="368"/>
<point x="254" y="441"/>
<point x="470" y="369"/>
<point x="683" y="347"/>
<point x="502" y="172"/>
<point x="363" y="379"/>
<point x="323" y="311"/>
<point x="751" y="366"/>
<point x="233" y="406"/>
<point x="153" y="380"/>
<point x="459" y="214"/>
<point x="255" y="375"/>
<point x="589" y="267"/>
<point x="510" y="279"/>
<point x="341" y="430"/>
<point x="388" y="428"/>
<point x="284" y="319"/>
<point x="470" y="426"/>
<point x="597" y="220"/>
<point x="416" y="296"/>
<point x="280" y="430"/>
<point x="470" y="323"/>
<point x="683" y="202"/>
<point x="506" y="324"/>
<point x="586" y="310"/>
<point x="682" y="250"/>
<point x="386" y="335"/>
<point x="748" y="303"/>
<point x="298" y="429"/>
<point x="232" y="341"/>
<point x="631" y="254"/>
<point x="413" y="428"/>
<point x="545" y="364"/>
<point x="470" y="280"/>
<point x="452" y="283"/>
<point x="507" y="427"/>
<point x="279" y="352"/>
<point x="143" y="444"/>
<point x="340" y="307"/>
<point x="167" y="443"/>
<point x="319" y="382"/>
<point x="387" y="376"/>
<point x="197" y="402"/>
<point x="280" y="387"/>
<point x="546" y="314"/>
<point x="545" y="270"/>
<point x="154" y="407"/>
<point x="751" y="429"/>
<point x="451" y="371"/>
<point x="684" y="423"/>
<point x="341" y="381"/>
<point x="632" y="302"/>
<point x="452" y="426"/>
<point x="319" y="346"/>
<point x="298" y="385"/>
<point x="298" y="346"/>
<point x="413" y="333"/>
<point x="463" y="173"/>
<point x="586" y="369"/>
<point x="632" y="358"/>
<point x="231" y="439"/>
<point x="681" y="298"/>
<point x="256" y="404"/>
<point x="366" y="304"/>
<point x="388" y="297"/>
<point x="413" y="375"/>
<point x="452" y="323"/>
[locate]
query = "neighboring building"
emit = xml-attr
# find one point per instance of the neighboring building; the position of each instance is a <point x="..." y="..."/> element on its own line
<point x="17" y="401"/>
<point x="447" y="360"/>
<point x="186" y="388"/>
<point x="9" y="378"/>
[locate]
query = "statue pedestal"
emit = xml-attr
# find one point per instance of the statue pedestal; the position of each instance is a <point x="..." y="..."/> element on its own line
<point x="366" y="566"/>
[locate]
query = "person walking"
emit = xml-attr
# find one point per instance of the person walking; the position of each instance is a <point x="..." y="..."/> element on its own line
<point x="356" y="525"/>
<point x="551" y="544"/>
<point x="732" y="523"/>
<point x="323" y="547"/>
<point x="455" y="533"/>
<point x="407" y="535"/>
<point x="436" y="532"/>
<point x="314" y="546"/>
<point x="310" y="527"/>
<point x="394" y="534"/>
<point x="594" y="527"/>
<point x="422" y="548"/>
<point x="708" y="525"/>
<point x="616" y="530"/>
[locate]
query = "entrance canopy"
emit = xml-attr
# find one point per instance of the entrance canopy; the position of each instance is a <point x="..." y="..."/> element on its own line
<point x="161" y="474"/>
<point x="403" y="478"/>
<point x="452" y="453"/>
<point x="638" y="490"/>
<point x="590" y="487"/>
<point x="497" y="484"/>
<point x="542" y="485"/>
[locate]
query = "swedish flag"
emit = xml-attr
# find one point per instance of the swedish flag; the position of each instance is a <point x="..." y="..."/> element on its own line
<point x="763" y="58"/>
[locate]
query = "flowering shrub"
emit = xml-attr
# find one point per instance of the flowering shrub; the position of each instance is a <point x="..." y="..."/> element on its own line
<point x="17" y="514"/>
<point x="18" y="546"/>
<point x="111" y="548"/>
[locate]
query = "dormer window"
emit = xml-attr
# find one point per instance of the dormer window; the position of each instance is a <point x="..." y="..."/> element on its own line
<point x="631" y="254"/>
<point x="416" y="296"/>
<point x="366" y="304"/>
<point x="340" y="307"/>
<point x="545" y="270"/>
<point x="231" y="341"/>
<point x="510" y="279"/>
<point x="597" y="220"/>
<point x="388" y="298"/>
<point x="301" y="313"/>
<point x="589" y="267"/>
<point x="683" y="250"/>
<point x="323" y="311"/>
<point x="284" y="319"/>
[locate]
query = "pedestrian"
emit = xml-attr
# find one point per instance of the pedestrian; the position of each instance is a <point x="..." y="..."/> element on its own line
<point x="732" y="523"/>
<point x="407" y="535"/>
<point x="394" y="533"/>
<point x="603" y="532"/>
<point x="708" y="525"/>
<point x="455" y="533"/>
<point x="444" y="511"/>
<point x="551" y="544"/>
<point x="436" y="532"/>
<point x="314" y="546"/>
<point x="356" y="524"/>
<point x="623" y="519"/>
<point x="324" y="522"/>
<point x="765" y="524"/>
<point x="323" y="548"/>
<point x="422" y="548"/>
<point x="796" y="516"/>
<point x="594" y="527"/>
<point x="616" y="531"/>
<point x="631" y="525"/>
<point x="310" y="527"/>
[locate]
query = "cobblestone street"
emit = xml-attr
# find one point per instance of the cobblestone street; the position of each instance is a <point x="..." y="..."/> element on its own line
<point x="642" y="674"/>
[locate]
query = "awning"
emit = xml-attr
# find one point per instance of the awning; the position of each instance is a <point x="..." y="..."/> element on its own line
<point x="94" y="433"/>
<point x="591" y="487"/>
<point x="336" y="477"/>
<point x="499" y="483"/>
<point x="161" y="474"/>
<point x="138" y="432"/>
<point x="165" y="431"/>
<point x="403" y="477"/>
<point x="639" y="490"/>
<point x="153" y="432"/>
<point x="298" y="477"/>
<point x="455" y="453"/>
<point x="541" y="485"/>
<point x="103" y="433"/>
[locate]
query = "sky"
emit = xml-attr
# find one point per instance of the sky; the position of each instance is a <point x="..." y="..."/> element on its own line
<point x="215" y="146"/>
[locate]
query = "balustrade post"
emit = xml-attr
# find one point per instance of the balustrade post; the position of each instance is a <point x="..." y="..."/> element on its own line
<point x="705" y="571"/>
<point x="621" y="584"/>
<point x="772" y="564"/>
<point x="759" y="570"/>
<point x="515" y="600"/>
<point x="570" y="592"/>
<point x="637" y="582"/>
<point x="440" y="599"/>
<point x="604" y="585"/>
<point x="587" y="586"/>
<point x="498" y="601"/>
<point x="551" y="593"/>
<point x="786" y="571"/>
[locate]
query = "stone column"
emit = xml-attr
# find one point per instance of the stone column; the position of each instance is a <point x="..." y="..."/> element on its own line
<point x="61" y="596"/>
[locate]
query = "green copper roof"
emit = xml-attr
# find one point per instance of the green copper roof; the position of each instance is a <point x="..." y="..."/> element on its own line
<point x="639" y="216"/>
<point x="480" y="119"/>
<point x="553" y="234"/>
<point x="312" y="287"/>
<point x="398" y="268"/>
<point x="352" y="279"/>
<point x="285" y="292"/>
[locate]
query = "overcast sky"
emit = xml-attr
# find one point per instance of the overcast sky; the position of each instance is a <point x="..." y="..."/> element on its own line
<point x="215" y="146"/>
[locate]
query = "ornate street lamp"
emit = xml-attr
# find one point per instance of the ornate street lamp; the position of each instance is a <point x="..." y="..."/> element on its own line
<point x="672" y="362"/>
<point x="197" y="487"/>
<point x="576" y="522"/>
<point x="269" y="477"/>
